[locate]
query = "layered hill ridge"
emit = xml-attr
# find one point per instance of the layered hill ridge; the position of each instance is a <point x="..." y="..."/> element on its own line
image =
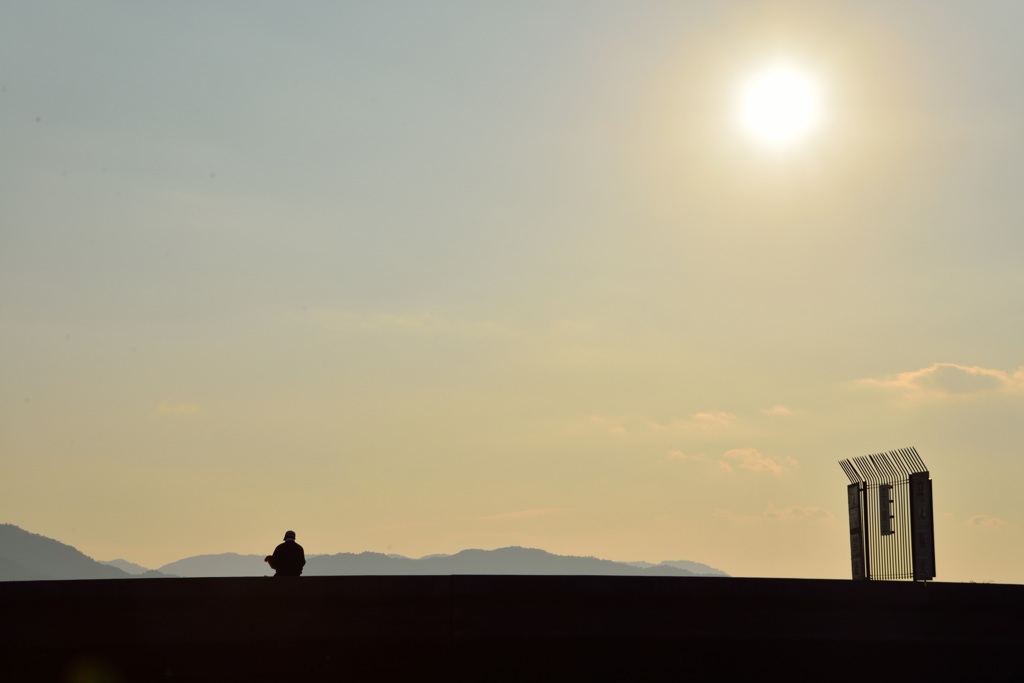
<point x="25" y="556"/>
<point x="30" y="557"/>
<point x="511" y="560"/>
<point x="218" y="565"/>
<point x="127" y="567"/>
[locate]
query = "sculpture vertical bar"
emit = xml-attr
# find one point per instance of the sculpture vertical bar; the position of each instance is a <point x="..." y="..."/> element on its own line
<point x="922" y="526"/>
<point x="857" y="561"/>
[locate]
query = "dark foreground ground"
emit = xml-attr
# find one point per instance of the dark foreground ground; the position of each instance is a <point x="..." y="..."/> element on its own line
<point x="507" y="628"/>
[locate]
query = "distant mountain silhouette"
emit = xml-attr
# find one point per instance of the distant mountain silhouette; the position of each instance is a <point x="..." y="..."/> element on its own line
<point x="29" y="557"/>
<point x="224" y="564"/>
<point x="512" y="560"/>
<point x="12" y="571"/>
<point x="137" y="570"/>
<point x="26" y="556"/>
<point x="127" y="567"/>
<point x="697" y="568"/>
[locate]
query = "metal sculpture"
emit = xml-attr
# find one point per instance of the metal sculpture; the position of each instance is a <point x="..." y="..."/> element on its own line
<point x="892" y="532"/>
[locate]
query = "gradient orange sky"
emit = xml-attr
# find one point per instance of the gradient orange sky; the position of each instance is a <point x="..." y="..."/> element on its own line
<point x="418" y="277"/>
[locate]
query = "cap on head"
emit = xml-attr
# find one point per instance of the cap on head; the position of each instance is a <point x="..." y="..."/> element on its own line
<point x="289" y="535"/>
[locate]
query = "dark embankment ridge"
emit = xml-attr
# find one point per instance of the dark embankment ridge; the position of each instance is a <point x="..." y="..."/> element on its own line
<point x="505" y="628"/>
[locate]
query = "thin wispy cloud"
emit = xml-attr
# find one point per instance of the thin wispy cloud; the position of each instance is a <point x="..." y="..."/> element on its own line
<point x="778" y="410"/>
<point x="951" y="379"/>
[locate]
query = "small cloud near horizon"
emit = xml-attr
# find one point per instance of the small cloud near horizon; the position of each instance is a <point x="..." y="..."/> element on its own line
<point x="753" y="460"/>
<point x="718" y="418"/>
<point x="797" y="513"/>
<point x="985" y="521"/>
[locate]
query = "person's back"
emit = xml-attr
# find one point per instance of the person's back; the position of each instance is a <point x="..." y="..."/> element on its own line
<point x="289" y="558"/>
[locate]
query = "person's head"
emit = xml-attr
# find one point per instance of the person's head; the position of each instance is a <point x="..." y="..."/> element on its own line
<point x="289" y="535"/>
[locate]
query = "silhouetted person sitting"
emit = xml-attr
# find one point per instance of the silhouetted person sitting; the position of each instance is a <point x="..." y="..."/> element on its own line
<point x="288" y="558"/>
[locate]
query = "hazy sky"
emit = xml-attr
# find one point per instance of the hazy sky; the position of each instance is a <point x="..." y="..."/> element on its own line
<point x="416" y="277"/>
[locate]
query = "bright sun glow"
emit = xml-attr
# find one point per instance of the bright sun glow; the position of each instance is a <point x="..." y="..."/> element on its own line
<point x="780" y="105"/>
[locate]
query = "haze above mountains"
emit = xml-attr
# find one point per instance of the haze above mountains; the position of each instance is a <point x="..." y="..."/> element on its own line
<point x="25" y="556"/>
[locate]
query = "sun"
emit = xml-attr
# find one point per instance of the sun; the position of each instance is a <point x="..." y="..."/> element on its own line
<point x="780" y="105"/>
